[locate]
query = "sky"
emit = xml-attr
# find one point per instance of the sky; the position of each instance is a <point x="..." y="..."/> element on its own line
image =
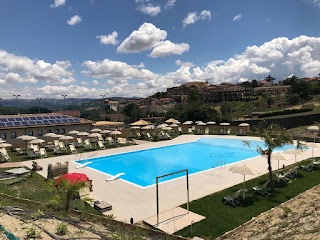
<point x="135" y="48"/>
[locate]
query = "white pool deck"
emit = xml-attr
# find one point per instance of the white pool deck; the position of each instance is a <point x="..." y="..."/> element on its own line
<point x="130" y="201"/>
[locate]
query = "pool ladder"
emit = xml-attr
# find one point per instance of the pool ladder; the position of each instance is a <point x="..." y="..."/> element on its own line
<point x="220" y="164"/>
<point x="79" y="156"/>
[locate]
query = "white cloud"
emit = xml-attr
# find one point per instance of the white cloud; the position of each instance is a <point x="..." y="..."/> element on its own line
<point x="109" y="39"/>
<point x="316" y="2"/>
<point x="193" y="17"/>
<point x="95" y="83"/>
<point x="142" y="1"/>
<point x="58" y="3"/>
<point x="170" y="4"/>
<point x="74" y="20"/>
<point x="150" y="9"/>
<point x="237" y="17"/>
<point x="145" y="38"/>
<point x="167" y="48"/>
<point x="20" y="69"/>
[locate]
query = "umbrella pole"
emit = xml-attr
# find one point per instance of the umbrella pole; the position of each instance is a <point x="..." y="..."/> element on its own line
<point x="244" y="186"/>
<point x="278" y="165"/>
<point x="313" y="152"/>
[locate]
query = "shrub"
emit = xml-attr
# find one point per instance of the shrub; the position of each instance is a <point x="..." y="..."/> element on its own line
<point x="285" y="112"/>
<point x="62" y="229"/>
<point x="32" y="234"/>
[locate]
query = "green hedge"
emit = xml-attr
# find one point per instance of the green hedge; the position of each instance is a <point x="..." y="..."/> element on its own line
<point x="285" y="112"/>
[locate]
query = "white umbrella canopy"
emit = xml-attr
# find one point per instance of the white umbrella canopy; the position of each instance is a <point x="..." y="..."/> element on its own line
<point x="73" y="132"/>
<point x="197" y="122"/>
<point x="171" y="120"/>
<point x="187" y="123"/>
<point x="95" y="130"/>
<point x="49" y="135"/>
<point x="105" y="131"/>
<point x="224" y="124"/>
<point x="57" y="136"/>
<point x="94" y="135"/>
<point x="201" y="124"/>
<point x="147" y="127"/>
<point x="295" y="152"/>
<point x="26" y="137"/>
<point x="167" y="128"/>
<point x="37" y="141"/>
<point x="2" y="141"/>
<point x="174" y="125"/>
<point x="244" y="170"/>
<point x="116" y="132"/>
<point x="135" y="127"/>
<point x="5" y="145"/>
<point x="162" y="125"/>
<point x="82" y="134"/>
<point x="313" y="128"/>
<point x="66" y="138"/>
<point x="279" y="157"/>
<point x="244" y="125"/>
<point x="211" y="123"/>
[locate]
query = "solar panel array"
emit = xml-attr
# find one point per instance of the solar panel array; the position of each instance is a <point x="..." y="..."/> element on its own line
<point x="37" y="120"/>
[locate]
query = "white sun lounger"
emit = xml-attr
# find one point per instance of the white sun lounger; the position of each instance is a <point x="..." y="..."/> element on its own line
<point x="83" y="165"/>
<point x="115" y="177"/>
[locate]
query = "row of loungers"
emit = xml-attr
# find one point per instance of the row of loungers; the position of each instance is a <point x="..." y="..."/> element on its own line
<point x="287" y="177"/>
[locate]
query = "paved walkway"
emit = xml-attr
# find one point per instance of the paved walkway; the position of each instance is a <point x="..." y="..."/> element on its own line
<point x="139" y="203"/>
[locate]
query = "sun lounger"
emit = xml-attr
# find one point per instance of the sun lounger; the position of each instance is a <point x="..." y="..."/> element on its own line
<point x="149" y="135"/>
<point x="73" y="149"/>
<point x="233" y="199"/>
<point x="308" y="167"/>
<point x="180" y="129"/>
<point x="56" y="151"/>
<point x="79" y="142"/>
<point x="31" y="154"/>
<point x="102" y="206"/>
<point x="206" y="131"/>
<point x="115" y="177"/>
<point x="109" y="140"/>
<point x="190" y="130"/>
<point x="262" y="189"/>
<point x="62" y="147"/>
<point x="87" y="144"/>
<point x="101" y="145"/>
<point x="43" y="152"/>
<point x="4" y="155"/>
<point x="287" y="176"/>
<point x="167" y="135"/>
<point x="121" y="140"/>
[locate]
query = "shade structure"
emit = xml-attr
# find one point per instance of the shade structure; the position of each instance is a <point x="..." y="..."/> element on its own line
<point x="167" y="128"/>
<point x="171" y="120"/>
<point x="135" y="127"/>
<point x="5" y="145"/>
<point x="37" y="141"/>
<point x="73" y="178"/>
<point x="244" y="170"/>
<point x="82" y="134"/>
<point x="94" y="135"/>
<point x="187" y="123"/>
<point x="224" y="124"/>
<point x="116" y="132"/>
<point x="279" y="157"/>
<point x="146" y="127"/>
<point x="211" y="123"/>
<point x="26" y="138"/>
<point x="201" y="124"/>
<point x="313" y="128"/>
<point x="141" y="122"/>
<point x="105" y="131"/>
<point x="66" y="138"/>
<point x="107" y="123"/>
<point x="197" y="122"/>
<point x="95" y="130"/>
<point x="174" y="125"/>
<point x="73" y="132"/>
<point x="49" y="135"/>
<point x="162" y="125"/>
<point x="313" y="146"/>
<point x="295" y="152"/>
<point x="244" y="125"/>
<point x="2" y="141"/>
<point x="57" y="136"/>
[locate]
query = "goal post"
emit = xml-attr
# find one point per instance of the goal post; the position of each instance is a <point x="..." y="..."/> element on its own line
<point x="157" y="189"/>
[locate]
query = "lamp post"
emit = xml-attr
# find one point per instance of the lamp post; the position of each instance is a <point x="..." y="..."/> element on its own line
<point x="64" y="101"/>
<point x="17" y="96"/>
<point x="39" y="99"/>
<point x="103" y="107"/>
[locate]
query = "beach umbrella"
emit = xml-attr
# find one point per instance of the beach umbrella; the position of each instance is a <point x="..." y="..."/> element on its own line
<point x="135" y="127"/>
<point x="94" y="135"/>
<point x="162" y="125"/>
<point x="140" y="123"/>
<point x="295" y="152"/>
<point x="167" y="128"/>
<point x="105" y="131"/>
<point x="49" y="134"/>
<point x="244" y="125"/>
<point x="279" y="157"/>
<point x="171" y="120"/>
<point x="313" y="128"/>
<point x="95" y="130"/>
<point x="244" y="170"/>
<point x="187" y="123"/>
<point x="73" y="178"/>
<point x="211" y="123"/>
<point x="224" y="124"/>
<point x="201" y="124"/>
<point x="116" y="132"/>
<point x="66" y="138"/>
<point x="146" y="127"/>
<point x="2" y="141"/>
<point x="26" y="137"/>
<point x="174" y="125"/>
<point x="82" y="134"/>
<point x="313" y="146"/>
<point x="197" y="122"/>
<point x="5" y="145"/>
<point x="37" y="141"/>
<point x="57" y="136"/>
<point x="73" y="132"/>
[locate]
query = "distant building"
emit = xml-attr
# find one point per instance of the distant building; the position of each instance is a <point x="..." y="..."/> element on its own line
<point x="275" y="89"/>
<point x="114" y="105"/>
<point x="116" y="117"/>
<point x="73" y="113"/>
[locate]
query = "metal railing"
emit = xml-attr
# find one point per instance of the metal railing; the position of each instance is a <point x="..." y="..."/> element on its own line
<point x="220" y="164"/>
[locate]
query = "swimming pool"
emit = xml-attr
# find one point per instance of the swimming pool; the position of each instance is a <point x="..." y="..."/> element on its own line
<point x="142" y="167"/>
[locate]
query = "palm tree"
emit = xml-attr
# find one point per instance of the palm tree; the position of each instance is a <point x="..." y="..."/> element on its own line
<point x="273" y="136"/>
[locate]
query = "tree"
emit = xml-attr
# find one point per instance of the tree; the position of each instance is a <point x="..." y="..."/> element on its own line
<point x="273" y="136"/>
<point x="132" y="112"/>
<point x="270" y="79"/>
<point x="269" y="100"/>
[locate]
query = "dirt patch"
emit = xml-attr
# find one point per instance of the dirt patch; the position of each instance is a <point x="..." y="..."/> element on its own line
<point x="299" y="218"/>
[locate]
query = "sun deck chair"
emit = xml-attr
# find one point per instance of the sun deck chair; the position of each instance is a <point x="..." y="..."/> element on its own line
<point x="101" y="145"/>
<point x="79" y="142"/>
<point x="56" y="143"/>
<point x="43" y="152"/>
<point x="233" y="199"/>
<point x="20" y="151"/>
<point x="167" y="135"/>
<point x="149" y="135"/>
<point x="179" y="129"/>
<point x="121" y="140"/>
<point x="109" y="140"/>
<point x="62" y="147"/>
<point x="229" y="131"/>
<point x="206" y="131"/>
<point x="4" y="155"/>
<point x="288" y="175"/>
<point x="190" y="130"/>
<point x="138" y="134"/>
<point x="308" y="167"/>
<point x="31" y="154"/>
<point x="73" y="149"/>
<point x="87" y="144"/>
<point x="262" y="189"/>
<point x="57" y="151"/>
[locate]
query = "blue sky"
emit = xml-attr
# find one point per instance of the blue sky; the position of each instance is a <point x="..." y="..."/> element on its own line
<point x="138" y="47"/>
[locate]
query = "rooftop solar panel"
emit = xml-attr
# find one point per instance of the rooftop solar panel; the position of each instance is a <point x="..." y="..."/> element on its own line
<point x="39" y="118"/>
<point x="58" y="121"/>
<point x="45" y="121"/>
<point x="64" y="116"/>
<point x="38" y="122"/>
<point x="18" y="119"/>
<point x="10" y="119"/>
<point x="25" y="123"/>
<point x="25" y="119"/>
<point x="16" y="123"/>
<point x="58" y="116"/>
<point x="32" y="118"/>
<point x="46" y="117"/>
<point x="9" y="124"/>
<point x="3" y="120"/>
<point x="32" y="122"/>
<point x="2" y="124"/>
<point x="52" y="121"/>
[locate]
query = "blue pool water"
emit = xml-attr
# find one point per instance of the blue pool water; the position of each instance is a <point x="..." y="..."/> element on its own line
<point x="142" y="167"/>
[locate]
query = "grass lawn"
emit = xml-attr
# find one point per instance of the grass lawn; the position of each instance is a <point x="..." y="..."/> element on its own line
<point x="221" y="217"/>
<point x="34" y="188"/>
